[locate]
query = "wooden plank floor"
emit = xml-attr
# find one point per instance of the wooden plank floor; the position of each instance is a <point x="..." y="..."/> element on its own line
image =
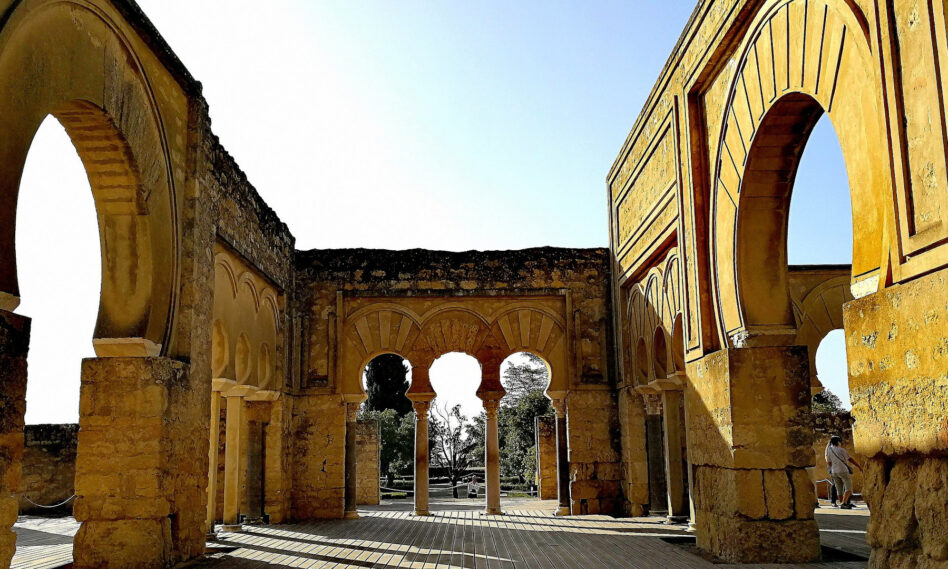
<point x="528" y="536"/>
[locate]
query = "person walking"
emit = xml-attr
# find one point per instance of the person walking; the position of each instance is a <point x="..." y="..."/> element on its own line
<point x="837" y="464"/>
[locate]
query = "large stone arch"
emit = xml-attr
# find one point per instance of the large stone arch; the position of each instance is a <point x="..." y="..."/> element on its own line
<point x="72" y="60"/>
<point x="800" y="59"/>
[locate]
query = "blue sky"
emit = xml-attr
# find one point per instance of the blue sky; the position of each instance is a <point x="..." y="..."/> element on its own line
<point x="450" y="125"/>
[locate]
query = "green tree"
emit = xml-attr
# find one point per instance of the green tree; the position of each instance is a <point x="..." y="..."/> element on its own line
<point x="525" y="383"/>
<point x="517" y="423"/>
<point x="523" y="378"/>
<point x="452" y="448"/>
<point x="386" y="381"/>
<point x="827" y="402"/>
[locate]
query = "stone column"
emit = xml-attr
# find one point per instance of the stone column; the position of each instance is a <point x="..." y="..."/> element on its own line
<point x="213" y="451"/>
<point x="421" y="456"/>
<point x="674" y="473"/>
<point x="352" y="478"/>
<point x="562" y="458"/>
<point x="490" y="392"/>
<point x="14" y="344"/>
<point x="233" y="461"/>
<point x="750" y="440"/>
<point x="492" y="459"/>
<point x="127" y="460"/>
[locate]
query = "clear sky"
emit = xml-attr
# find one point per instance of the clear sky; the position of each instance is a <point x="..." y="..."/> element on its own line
<point x="475" y="125"/>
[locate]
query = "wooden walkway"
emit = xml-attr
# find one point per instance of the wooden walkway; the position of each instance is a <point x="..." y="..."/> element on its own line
<point x="526" y="537"/>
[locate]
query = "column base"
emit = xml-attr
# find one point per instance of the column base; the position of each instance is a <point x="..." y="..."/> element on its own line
<point x="493" y="512"/>
<point x="230" y="528"/>
<point x="677" y="520"/>
<point x="562" y="511"/>
<point x="422" y="513"/>
<point x="351" y="515"/>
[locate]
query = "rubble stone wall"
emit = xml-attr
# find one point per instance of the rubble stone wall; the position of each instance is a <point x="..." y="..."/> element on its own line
<point x="367" y="443"/>
<point x="49" y="468"/>
<point x="318" y="457"/>
<point x="546" y="457"/>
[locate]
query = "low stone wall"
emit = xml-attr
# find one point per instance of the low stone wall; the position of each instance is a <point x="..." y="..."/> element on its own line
<point x="367" y="443"/>
<point x="546" y="457"/>
<point x="49" y="468"/>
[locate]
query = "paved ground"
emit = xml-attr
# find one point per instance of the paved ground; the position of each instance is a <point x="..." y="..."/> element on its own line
<point x="455" y="536"/>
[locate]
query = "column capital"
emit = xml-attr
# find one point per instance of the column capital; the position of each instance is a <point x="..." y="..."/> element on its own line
<point x="559" y="407"/>
<point x="239" y="391"/>
<point x="352" y="412"/>
<point x="421" y="408"/>
<point x="490" y="407"/>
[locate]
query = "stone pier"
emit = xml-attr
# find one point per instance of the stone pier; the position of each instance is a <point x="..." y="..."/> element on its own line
<point x="751" y="446"/>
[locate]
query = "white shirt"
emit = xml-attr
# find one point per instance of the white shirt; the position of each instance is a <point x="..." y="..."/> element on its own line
<point x="837" y="457"/>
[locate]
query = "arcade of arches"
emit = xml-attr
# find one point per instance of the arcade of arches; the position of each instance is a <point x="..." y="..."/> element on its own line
<point x="228" y="363"/>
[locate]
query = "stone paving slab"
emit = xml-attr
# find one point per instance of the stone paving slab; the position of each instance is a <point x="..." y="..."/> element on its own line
<point x="389" y="537"/>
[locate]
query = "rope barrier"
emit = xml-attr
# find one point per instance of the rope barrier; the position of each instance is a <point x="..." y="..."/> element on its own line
<point x="63" y="503"/>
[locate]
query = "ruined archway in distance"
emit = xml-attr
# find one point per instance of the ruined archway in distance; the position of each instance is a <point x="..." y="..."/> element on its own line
<point x="773" y="104"/>
<point x="115" y="124"/>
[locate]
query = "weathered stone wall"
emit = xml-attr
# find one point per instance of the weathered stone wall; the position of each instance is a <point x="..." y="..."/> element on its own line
<point x="318" y="456"/>
<point x="14" y="345"/>
<point x="367" y="443"/>
<point x="635" y="487"/>
<point x="326" y="276"/>
<point x="583" y="272"/>
<point x="49" y="467"/>
<point x="128" y="439"/>
<point x="897" y="348"/>
<point x="594" y="462"/>
<point x="546" y="457"/>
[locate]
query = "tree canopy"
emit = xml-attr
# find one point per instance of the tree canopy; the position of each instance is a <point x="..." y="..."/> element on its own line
<point x="521" y="379"/>
<point x="827" y="402"/>
<point x="453" y="447"/>
<point x="386" y="379"/>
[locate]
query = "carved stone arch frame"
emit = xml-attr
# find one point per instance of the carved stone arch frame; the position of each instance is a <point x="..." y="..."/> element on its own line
<point x="105" y="93"/>
<point x="490" y="337"/>
<point x="799" y="59"/>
